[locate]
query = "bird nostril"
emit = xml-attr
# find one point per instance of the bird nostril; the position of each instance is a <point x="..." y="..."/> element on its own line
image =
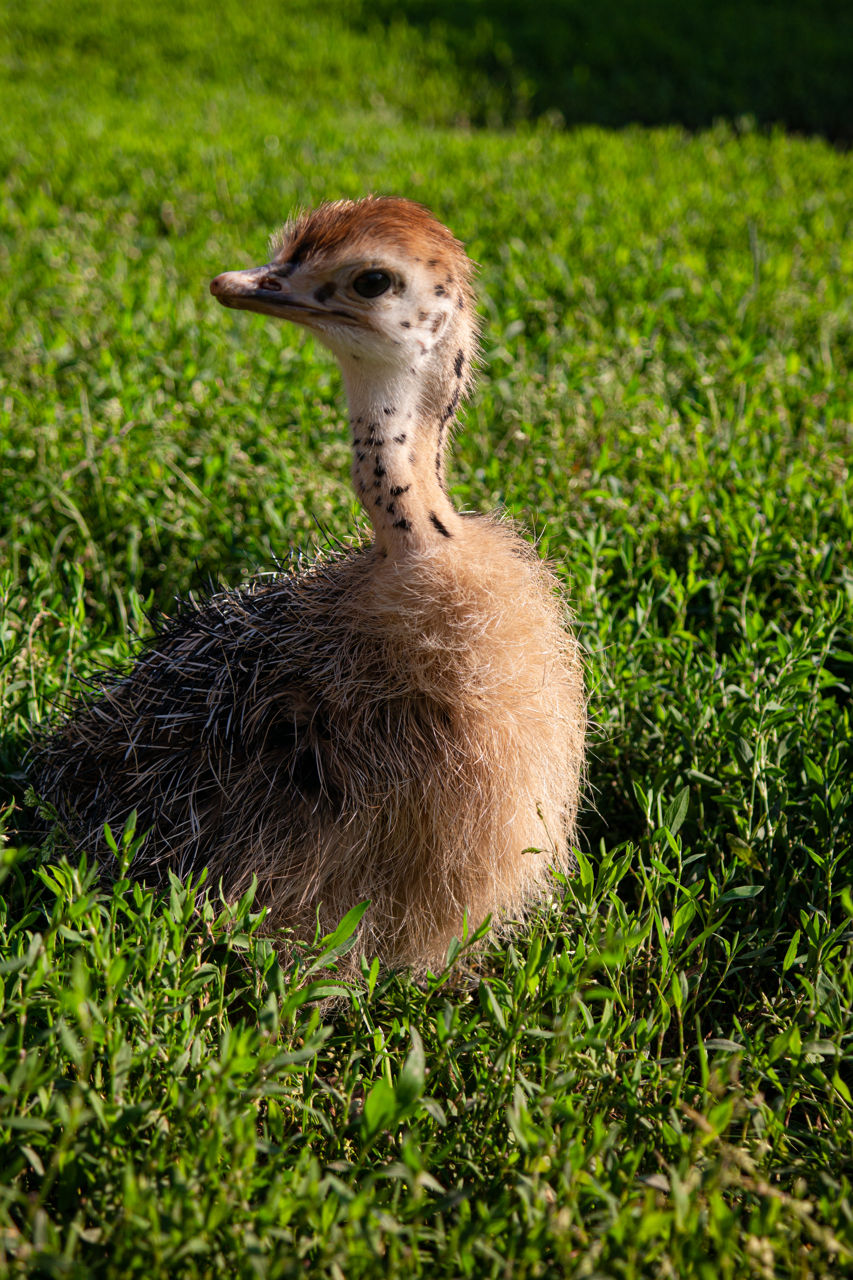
<point x="270" y="282"/>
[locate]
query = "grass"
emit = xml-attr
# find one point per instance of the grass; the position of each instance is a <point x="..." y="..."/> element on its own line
<point x="656" y="63"/>
<point x="655" y="1077"/>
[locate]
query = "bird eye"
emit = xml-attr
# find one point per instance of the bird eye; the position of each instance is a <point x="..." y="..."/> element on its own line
<point x="371" y="283"/>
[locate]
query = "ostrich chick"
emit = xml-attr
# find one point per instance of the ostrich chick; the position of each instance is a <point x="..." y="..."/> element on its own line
<point x="402" y="722"/>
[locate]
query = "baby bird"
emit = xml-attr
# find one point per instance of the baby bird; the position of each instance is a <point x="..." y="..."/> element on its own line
<point x="402" y="722"/>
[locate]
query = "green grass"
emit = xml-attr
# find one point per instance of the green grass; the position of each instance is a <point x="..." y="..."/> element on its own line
<point x="654" y="1078"/>
<point x="659" y="62"/>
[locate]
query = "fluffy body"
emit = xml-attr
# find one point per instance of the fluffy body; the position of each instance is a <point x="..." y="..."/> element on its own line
<point x="403" y="722"/>
<point x="345" y="734"/>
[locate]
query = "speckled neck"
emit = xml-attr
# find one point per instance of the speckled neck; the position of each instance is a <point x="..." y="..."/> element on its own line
<point x="399" y="438"/>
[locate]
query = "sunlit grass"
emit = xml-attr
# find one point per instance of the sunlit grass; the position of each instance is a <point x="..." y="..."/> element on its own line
<point x="654" y="1078"/>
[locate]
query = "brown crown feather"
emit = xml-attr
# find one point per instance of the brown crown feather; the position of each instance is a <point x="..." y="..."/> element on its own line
<point x="380" y="220"/>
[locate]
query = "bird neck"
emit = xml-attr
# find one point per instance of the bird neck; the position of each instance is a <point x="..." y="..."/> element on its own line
<point x="399" y="437"/>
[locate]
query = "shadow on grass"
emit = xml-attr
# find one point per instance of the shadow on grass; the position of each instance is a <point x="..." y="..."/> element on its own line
<point x="659" y="62"/>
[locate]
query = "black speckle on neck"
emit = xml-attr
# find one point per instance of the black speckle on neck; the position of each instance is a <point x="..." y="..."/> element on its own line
<point x="450" y="409"/>
<point x="439" y="455"/>
<point x="442" y="529"/>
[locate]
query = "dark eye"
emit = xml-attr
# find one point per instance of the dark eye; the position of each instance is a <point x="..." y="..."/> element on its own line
<point x="371" y="283"/>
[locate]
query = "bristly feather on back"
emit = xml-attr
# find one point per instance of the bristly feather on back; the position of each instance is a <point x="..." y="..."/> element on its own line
<point x="347" y="733"/>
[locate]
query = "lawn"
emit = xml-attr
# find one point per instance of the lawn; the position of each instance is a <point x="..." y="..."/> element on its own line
<point x="654" y="1077"/>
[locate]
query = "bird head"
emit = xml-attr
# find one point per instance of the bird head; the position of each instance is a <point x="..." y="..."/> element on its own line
<point x="378" y="280"/>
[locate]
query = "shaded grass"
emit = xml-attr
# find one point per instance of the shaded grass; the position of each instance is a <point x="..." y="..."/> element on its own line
<point x="656" y="1075"/>
<point x="619" y="63"/>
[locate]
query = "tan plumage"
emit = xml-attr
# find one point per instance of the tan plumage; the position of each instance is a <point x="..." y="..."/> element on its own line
<point x="402" y="722"/>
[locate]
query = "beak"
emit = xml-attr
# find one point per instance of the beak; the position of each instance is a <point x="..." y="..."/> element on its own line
<point x="259" y="289"/>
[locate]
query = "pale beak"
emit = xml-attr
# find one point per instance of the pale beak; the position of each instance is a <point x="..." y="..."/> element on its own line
<point x="258" y="289"/>
<point x="264" y="289"/>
